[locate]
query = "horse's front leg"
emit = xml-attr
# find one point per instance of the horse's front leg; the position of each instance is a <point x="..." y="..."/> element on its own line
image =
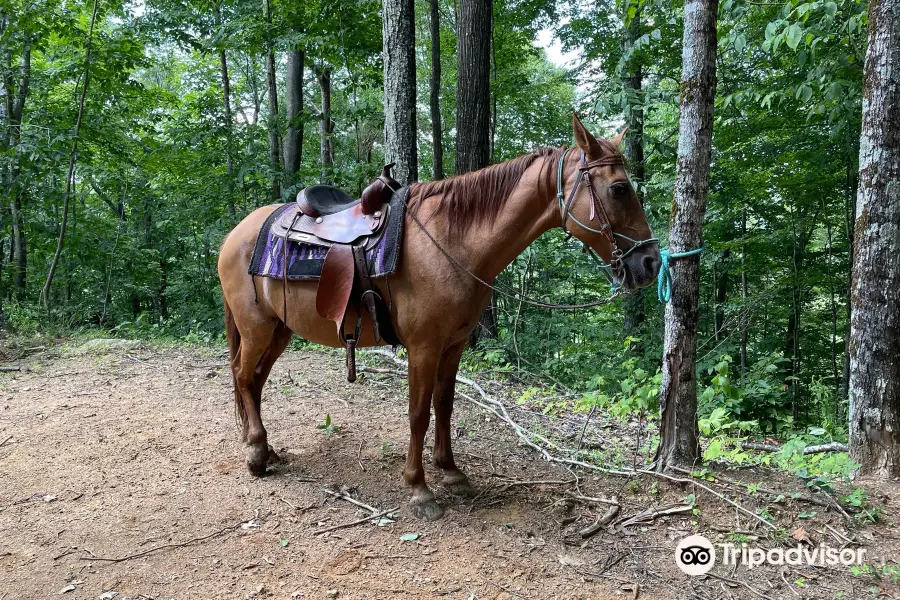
<point x="454" y="480"/>
<point x="423" y="364"/>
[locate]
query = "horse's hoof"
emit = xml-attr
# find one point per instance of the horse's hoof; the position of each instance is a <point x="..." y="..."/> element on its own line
<point x="257" y="457"/>
<point x="424" y="507"/>
<point x="458" y="484"/>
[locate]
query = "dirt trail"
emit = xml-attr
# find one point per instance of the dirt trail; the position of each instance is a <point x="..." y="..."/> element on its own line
<point x="117" y="453"/>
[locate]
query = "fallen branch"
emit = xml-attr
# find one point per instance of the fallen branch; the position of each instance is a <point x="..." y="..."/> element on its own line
<point x="650" y="514"/>
<point x="831" y="447"/>
<point x="3" y="443"/>
<point x="358" y="522"/>
<point x="600" y="523"/>
<point x="222" y="531"/>
<point x="499" y="410"/>
<point x="611" y="501"/>
<point x="10" y="369"/>
<point x="350" y="499"/>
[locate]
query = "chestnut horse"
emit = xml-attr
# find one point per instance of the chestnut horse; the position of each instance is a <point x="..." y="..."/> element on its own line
<point x="472" y="224"/>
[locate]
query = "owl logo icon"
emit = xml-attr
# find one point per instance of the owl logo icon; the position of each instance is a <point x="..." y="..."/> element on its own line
<point x="695" y="555"/>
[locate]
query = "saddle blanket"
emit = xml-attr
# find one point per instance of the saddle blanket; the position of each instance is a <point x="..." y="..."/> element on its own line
<point x="304" y="261"/>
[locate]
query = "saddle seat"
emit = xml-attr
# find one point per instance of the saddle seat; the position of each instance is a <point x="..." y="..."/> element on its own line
<point x="330" y="217"/>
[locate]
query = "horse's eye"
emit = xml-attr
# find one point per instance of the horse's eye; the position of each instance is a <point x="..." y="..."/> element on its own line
<point x="619" y="190"/>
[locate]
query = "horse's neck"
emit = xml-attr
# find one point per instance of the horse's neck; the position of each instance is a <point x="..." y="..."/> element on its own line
<point x="524" y="216"/>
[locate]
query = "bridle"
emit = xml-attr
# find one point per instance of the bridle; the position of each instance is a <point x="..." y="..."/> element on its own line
<point x="606" y="230"/>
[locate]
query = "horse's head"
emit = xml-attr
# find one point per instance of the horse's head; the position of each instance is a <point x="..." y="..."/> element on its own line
<point x="598" y="205"/>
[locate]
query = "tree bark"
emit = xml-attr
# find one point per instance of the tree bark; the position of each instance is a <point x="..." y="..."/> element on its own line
<point x="293" y="137"/>
<point x="679" y="445"/>
<point x="633" y="304"/>
<point x="19" y="246"/>
<point x="326" y="151"/>
<point x="473" y="86"/>
<point x="875" y="325"/>
<point x="434" y="98"/>
<point x="399" y="38"/>
<point x="226" y="106"/>
<point x="70" y="177"/>
<point x="473" y="108"/>
<point x="274" y="142"/>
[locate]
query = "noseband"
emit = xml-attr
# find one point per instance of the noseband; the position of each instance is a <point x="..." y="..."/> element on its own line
<point x="584" y="175"/>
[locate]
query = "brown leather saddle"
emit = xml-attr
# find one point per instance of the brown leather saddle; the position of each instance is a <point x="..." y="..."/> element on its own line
<point x="331" y="218"/>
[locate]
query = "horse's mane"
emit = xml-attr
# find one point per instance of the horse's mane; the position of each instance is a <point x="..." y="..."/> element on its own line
<point x="478" y="196"/>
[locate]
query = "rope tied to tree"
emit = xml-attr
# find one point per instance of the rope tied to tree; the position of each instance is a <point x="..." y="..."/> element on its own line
<point x="664" y="278"/>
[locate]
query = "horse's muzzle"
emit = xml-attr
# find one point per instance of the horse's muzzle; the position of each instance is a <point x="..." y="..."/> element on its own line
<point x="642" y="266"/>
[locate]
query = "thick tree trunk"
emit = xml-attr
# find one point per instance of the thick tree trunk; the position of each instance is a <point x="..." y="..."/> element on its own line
<point x="679" y="445"/>
<point x="274" y="138"/>
<point x="633" y="304"/>
<point x="399" y="35"/>
<point x="326" y="151"/>
<point x="875" y="327"/>
<point x="434" y="97"/>
<point x="473" y="107"/>
<point x="70" y="177"/>
<point x="473" y="111"/>
<point x="293" y="136"/>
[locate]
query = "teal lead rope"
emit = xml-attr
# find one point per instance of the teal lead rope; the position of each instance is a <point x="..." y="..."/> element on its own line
<point x="664" y="279"/>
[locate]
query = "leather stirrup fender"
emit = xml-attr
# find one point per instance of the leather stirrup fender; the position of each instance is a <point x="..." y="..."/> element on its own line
<point x="335" y="285"/>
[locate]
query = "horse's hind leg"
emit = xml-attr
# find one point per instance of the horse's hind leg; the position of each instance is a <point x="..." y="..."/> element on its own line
<point x="258" y="350"/>
<point x="455" y="481"/>
<point x="281" y="337"/>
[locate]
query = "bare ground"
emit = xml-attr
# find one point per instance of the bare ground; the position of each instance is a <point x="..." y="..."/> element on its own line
<point x="109" y="454"/>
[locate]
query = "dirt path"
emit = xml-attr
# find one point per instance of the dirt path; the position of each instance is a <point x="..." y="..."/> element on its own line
<point x="118" y="453"/>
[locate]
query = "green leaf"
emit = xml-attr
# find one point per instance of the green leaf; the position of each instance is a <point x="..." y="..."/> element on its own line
<point x="284" y="543"/>
<point x="831" y="9"/>
<point x="410" y="537"/>
<point x="793" y="36"/>
<point x="740" y="42"/>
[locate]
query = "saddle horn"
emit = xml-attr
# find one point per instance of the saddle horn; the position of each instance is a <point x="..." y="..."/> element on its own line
<point x="379" y="192"/>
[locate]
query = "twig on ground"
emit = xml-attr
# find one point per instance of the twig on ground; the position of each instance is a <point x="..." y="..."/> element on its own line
<point x="611" y="501"/>
<point x="789" y="586"/>
<point x="358" y="522"/>
<point x="738" y="582"/>
<point x="507" y="590"/>
<point x="222" y="531"/>
<point x="350" y="499"/>
<point x="600" y="523"/>
<point x="583" y="429"/>
<point x="650" y="514"/>
<point x="516" y="482"/>
<point x="10" y="369"/>
<point x="3" y="443"/>
<point x="841" y="537"/>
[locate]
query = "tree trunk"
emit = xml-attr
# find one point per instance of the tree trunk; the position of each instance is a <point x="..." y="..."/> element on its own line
<point x="745" y="314"/>
<point x="473" y="106"/>
<point x="473" y="86"/>
<point x="875" y="327"/>
<point x="226" y="105"/>
<point x="852" y="189"/>
<point x="70" y="177"/>
<point x="293" y="136"/>
<point x="434" y="98"/>
<point x="633" y="304"/>
<point x="19" y="247"/>
<point x="399" y="35"/>
<point x="274" y="142"/>
<point x="679" y="445"/>
<point x="326" y="152"/>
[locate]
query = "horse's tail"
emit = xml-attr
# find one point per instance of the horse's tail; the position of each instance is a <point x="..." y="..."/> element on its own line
<point x="234" y="346"/>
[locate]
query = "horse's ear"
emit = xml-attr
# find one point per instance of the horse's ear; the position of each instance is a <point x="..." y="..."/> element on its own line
<point x="585" y="139"/>
<point x="617" y="141"/>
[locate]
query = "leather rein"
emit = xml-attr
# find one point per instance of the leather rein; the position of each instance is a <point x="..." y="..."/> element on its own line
<point x="616" y="265"/>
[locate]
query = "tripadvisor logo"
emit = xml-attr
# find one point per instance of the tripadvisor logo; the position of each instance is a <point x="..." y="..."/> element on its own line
<point x="696" y="555"/>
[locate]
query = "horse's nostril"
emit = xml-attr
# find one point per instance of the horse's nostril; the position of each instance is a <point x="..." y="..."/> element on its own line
<point x="651" y="263"/>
